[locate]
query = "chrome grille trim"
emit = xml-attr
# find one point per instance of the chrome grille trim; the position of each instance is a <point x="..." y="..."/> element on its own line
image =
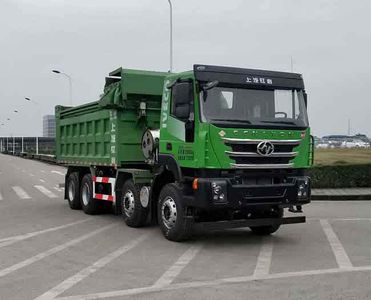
<point x="254" y="154"/>
<point x="257" y="141"/>
<point x="262" y="166"/>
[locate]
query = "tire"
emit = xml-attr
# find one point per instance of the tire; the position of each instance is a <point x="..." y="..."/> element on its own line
<point x="134" y="214"/>
<point x="90" y="206"/>
<point x="73" y="191"/>
<point x="267" y="230"/>
<point x="174" y="223"/>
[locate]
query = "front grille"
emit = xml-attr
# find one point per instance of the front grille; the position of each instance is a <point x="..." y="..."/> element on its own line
<point x="244" y="153"/>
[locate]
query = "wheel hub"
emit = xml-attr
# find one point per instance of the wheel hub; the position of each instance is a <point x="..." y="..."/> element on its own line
<point x="169" y="212"/>
<point x="128" y="203"/>
<point x="85" y="194"/>
<point x="71" y="191"/>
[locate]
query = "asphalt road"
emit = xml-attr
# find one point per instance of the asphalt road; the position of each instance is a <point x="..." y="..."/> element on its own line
<point x="48" y="251"/>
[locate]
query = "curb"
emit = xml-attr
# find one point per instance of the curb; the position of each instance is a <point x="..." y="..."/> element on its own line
<point x="341" y="197"/>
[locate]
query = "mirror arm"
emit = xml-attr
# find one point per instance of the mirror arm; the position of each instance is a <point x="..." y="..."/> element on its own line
<point x="210" y="85"/>
<point x="171" y="84"/>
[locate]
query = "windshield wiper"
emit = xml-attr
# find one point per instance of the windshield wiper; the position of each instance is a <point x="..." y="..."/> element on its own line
<point x="280" y="122"/>
<point x="235" y="121"/>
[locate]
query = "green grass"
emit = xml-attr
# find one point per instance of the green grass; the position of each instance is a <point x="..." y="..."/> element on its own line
<point x="331" y="157"/>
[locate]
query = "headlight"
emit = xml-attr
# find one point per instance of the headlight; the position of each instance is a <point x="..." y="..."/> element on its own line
<point x="303" y="188"/>
<point x="217" y="189"/>
<point x="218" y="193"/>
<point x="302" y="192"/>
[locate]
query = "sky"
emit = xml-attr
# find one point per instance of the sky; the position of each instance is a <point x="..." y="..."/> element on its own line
<point x="329" y="42"/>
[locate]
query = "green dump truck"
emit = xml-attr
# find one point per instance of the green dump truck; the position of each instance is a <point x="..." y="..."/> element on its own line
<point x="215" y="147"/>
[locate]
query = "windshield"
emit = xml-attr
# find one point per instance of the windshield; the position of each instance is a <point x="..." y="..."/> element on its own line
<point x="256" y="107"/>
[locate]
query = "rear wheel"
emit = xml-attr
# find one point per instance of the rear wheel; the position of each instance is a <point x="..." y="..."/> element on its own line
<point x="73" y="191"/>
<point x="172" y="218"/>
<point x="134" y="214"/>
<point x="267" y="230"/>
<point x="89" y="205"/>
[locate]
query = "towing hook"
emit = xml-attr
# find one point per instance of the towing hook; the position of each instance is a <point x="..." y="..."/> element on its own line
<point x="295" y="209"/>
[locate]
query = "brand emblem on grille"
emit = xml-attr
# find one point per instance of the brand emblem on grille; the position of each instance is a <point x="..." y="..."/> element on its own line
<point x="222" y="133"/>
<point x="265" y="148"/>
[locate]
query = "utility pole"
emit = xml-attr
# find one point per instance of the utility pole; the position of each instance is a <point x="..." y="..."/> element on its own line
<point x="171" y="35"/>
<point x="37" y="146"/>
<point x="349" y="127"/>
<point x="69" y="82"/>
<point x="36" y="104"/>
<point x="292" y="65"/>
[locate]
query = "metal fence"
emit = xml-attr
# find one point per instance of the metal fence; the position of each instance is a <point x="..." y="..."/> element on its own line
<point x="27" y="145"/>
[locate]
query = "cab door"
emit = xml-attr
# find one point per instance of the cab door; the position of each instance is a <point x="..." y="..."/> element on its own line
<point x="177" y="131"/>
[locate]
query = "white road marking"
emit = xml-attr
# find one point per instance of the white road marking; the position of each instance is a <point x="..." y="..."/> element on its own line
<point x="263" y="263"/>
<point x="49" y="252"/>
<point x="57" y="172"/>
<point x="42" y="180"/>
<point x="58" y="189"/>
<point x="217" y="282"/>
<point x="340" y="201"/>
<point x="20" y="192"/>
<point x="11" y="240"/>
<point x="352" y="219"/>
<point x="1" y="197"/>
<point x="45" y="191"/>
<point x="340" y="219"/>
<point x="341" y="256"/>
<point x="169" y="276"/>
<point x="84" y="273"/>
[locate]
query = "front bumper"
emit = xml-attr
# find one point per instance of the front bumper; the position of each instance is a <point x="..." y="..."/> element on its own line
<point x="249" y="223"/>
<point x="296" y="191"/>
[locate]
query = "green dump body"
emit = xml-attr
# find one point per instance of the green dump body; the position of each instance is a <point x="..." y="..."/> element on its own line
<point x="108" y="132"/>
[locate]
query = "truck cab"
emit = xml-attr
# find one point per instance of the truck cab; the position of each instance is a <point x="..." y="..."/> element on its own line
<point x="239" y="141"/>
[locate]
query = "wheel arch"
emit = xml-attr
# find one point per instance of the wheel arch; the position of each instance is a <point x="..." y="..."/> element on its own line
<point x="160" y="180"/>
<point x="169" y="162"/>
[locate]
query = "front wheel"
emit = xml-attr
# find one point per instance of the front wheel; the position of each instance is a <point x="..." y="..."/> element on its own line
<point x="267" y="230"/>
<point x="172" y="218"/>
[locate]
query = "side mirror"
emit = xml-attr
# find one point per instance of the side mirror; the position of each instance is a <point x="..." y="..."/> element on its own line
<point x="182" y="97"/>
<point x="305" y="99"/>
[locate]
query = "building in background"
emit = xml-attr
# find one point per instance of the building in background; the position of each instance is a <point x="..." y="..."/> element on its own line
<point x="49" y="126"/>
